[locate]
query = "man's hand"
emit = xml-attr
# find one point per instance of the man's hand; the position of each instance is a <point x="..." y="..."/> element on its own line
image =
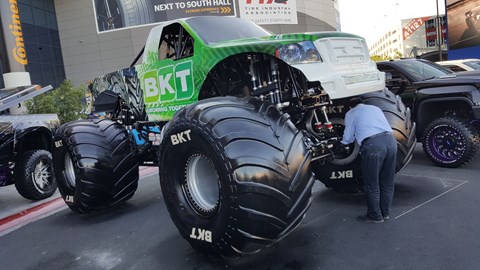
<point x="343" y="149"/>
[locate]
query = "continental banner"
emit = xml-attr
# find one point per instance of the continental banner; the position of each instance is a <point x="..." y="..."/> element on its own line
<point x="269" y="11"/>
<point x="119" y="14"/>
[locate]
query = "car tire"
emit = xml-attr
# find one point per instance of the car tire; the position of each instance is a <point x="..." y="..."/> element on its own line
<point x="346" y="175"/>
<point x="34" y="177"/>
<point x="95" y="165"/>
<point x="450" y="142"/>
<point x="235" y="175"/>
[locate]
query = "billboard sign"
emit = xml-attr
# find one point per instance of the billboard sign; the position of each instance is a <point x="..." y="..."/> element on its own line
<point x="412" y="26"/>
<point x="431" y="32"/>
<point x="463" y="23"/>
<point x="269" y="11"/>
<point x="121" y="14"/>
<point x="420" y="35"/>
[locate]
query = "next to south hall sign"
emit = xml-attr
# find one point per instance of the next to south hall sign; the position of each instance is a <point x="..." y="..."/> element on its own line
<point x="112" y="15"/>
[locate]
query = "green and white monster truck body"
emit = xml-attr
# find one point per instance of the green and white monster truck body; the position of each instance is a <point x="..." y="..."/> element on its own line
<point x="339" y="60"/>
<point x="236" y="118"/>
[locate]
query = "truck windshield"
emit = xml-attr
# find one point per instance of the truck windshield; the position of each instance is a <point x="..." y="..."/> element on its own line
<point x="218" y="29"/>
<point x="473" y="64"/>
<point x="423" y="70"/>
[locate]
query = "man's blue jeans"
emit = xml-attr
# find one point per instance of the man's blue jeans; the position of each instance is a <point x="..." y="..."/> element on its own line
<point x="378" y="167"/>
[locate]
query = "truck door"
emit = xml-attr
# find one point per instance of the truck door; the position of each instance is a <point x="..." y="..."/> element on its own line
<point x="169" y="83"/>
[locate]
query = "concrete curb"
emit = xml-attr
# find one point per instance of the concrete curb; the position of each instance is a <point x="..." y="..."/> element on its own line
<point x="49" y="207"/>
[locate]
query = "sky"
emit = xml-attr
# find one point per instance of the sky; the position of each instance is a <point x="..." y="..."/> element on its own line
<point x="373" y="18"/>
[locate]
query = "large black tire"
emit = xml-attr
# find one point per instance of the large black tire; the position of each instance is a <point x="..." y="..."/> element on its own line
<point x="346" y="174"/>
<point x="135" y="94"/>
<point x="33" y="172"/>
<point x="125" y="83"/>
<point x="450" y="142"/>
<point x="235" y="175"/>
<point x="95" y="165"/>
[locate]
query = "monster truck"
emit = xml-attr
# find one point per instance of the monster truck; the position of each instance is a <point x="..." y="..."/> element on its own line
<point x="236" y="118"/>
<point x="25" y="146"/>
<point x="446" y="107"/>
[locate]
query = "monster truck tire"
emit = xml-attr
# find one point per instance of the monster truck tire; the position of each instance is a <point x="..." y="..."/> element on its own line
<point x="34" y="178"/>
<point x="450" y="142"/>
<point x="135" y="95"/>
<point x="94" y="164"/>
<point x="235" y="175"/>
<point x="130" y="91"/>
<point x="347" y="176"/>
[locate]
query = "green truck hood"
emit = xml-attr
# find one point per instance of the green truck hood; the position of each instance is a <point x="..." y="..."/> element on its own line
<point x="278" y="40"/>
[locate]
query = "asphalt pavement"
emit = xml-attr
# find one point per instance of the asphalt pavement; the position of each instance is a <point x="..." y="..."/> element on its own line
<point x="434" y="224"/>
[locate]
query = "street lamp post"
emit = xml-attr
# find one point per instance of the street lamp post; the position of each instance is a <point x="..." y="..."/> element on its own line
<point x="439" y="35"/>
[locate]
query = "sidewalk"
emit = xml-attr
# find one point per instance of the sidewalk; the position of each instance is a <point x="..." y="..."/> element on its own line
<point x="12" y="203"/>
<point x="16" y="211"/>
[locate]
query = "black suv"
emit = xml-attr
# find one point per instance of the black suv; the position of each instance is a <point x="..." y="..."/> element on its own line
<point x="445" y="106"/>
<point x="25" y="145"/>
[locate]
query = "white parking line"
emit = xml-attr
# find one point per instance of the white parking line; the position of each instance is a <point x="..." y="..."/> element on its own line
<point x="432" y="177"/>
<point x="436" y="197"/>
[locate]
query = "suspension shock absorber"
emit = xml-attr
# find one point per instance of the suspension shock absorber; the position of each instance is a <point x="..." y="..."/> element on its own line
<point x="318" y="124"/>
<point x="253" y="74"/>
<point x="328" y="124"/>
<point x="274" y="79"/>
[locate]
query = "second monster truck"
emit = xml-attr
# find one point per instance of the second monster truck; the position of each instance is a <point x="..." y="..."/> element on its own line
<point x="237" y="119"/>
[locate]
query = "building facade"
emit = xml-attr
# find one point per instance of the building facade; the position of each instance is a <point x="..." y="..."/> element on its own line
<point x="74" y="39"/>
<point x="388" y="45"/>
<point x="412" y="38"/>
<point x="38" y="29"/>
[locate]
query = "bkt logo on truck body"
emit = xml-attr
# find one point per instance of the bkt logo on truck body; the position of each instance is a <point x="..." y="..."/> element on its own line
<point x="169" y="83"/>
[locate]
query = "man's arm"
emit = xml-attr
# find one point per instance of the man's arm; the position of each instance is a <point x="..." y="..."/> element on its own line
<point x="349" y="132"/>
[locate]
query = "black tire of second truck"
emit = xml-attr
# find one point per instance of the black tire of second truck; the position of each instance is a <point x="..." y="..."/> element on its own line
<point x="34" y="177"/>
<point x="136" y="101"/>
<point x="95" y="165"/>
<point x="348" y="177"/>
<point x="235" y="175"/>
<point x="450" y="142"/>
<point x="127" y="85"/>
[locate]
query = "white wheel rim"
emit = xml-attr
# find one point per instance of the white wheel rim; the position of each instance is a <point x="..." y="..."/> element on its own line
<point x="69" y="170"/>
<point x="202" y="183"/>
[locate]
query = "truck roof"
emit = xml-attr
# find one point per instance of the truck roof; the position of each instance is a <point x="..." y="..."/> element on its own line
<point x="11" y="97"/>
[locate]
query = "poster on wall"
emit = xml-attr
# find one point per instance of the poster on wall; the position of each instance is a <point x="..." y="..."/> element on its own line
<point x="431" y="31"/>
<point x="120" y="14"/>
<point x="269" y="11"/>
<point x="412" y="26"/>
<point x="463" y="23"/>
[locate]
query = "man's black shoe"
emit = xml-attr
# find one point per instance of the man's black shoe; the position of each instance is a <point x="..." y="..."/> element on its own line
<point x="366" y="219"/>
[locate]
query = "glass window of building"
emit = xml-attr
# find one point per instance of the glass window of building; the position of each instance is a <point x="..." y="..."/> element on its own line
<point x="42" y="42"/>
